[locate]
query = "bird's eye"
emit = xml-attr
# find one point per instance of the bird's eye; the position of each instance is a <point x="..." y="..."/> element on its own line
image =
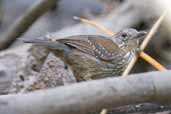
<point x="124" y="35"/>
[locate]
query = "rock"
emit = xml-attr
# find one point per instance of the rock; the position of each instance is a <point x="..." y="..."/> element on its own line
<point x="5" y="79"/>
<point x="57" y="72"/>
<point x="37" y="56"/>
<point x="11" y="63"/>
<point x="31" y="68"/>
<point x="52" y="74"/>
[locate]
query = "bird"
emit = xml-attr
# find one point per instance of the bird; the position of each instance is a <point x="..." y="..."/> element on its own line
<point x="95" y="56"/>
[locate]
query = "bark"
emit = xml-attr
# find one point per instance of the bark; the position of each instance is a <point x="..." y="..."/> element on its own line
<point x="92" y="96"/>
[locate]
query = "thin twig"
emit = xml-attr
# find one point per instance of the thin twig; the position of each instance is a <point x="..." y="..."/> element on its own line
<point x="153" y="31"/>
<point x="25" y="21"/>
<point x="152" y="61"/>
<point x="96" y="25"/>
<point x="145" y="42"/>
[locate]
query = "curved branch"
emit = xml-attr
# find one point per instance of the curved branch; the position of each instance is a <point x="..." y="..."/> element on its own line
<point x="24" y="22"/>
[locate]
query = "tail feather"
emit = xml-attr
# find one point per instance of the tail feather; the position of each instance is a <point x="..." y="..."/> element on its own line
<point x="35" y="41"/>
<point x="47" y="43"/>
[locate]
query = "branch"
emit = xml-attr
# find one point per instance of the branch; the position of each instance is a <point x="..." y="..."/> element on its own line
<point x="96" y="25"/>
<point x="92" y="95"/>
<point x="152" y="61"/>
<point x="24" y="22"/>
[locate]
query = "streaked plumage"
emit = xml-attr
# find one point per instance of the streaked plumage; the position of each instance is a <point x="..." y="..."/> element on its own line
<point x="94" y="56"/>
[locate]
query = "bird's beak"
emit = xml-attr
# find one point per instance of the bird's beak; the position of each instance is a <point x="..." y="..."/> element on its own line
<point x="141" y="34"/>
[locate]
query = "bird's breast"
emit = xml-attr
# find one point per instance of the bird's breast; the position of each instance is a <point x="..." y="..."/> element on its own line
<point x="128" y="56"/>
<point x="119" y="64"/>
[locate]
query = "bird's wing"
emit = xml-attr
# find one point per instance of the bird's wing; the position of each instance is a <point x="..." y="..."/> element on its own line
<point x="98" y="46"/>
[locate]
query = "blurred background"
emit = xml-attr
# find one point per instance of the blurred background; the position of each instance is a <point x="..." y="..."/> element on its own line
<point x="59" y="16"/>
<point x="54" y="18"/>
<point x="23" y="65"/>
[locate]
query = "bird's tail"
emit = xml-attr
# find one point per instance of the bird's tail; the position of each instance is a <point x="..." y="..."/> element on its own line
<point x="56" y="47"/>
<point x="45" y="42"/>
<point x="36" y="41"/>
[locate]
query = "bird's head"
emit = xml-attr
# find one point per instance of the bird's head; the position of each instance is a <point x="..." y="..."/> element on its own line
<point x="129" y="39"/>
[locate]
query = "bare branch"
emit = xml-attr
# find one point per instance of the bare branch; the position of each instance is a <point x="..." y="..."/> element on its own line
<point x="92" y="95"/>
<point x="25" y="21"/>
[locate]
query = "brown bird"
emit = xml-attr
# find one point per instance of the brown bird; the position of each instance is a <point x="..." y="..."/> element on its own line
<point x="95" y="56"/>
